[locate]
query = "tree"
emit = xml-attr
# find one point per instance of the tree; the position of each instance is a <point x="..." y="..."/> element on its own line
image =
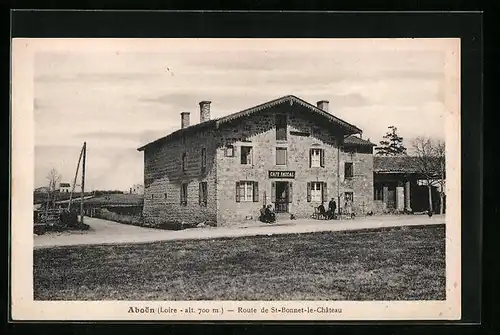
<point x="53" y="177"/>
<point x="392" y="144"/>
<point x="430" y="161"/>
<point x="440" y="154"/>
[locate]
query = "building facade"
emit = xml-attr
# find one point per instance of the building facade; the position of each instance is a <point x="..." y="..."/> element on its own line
<point x="64" y="187"/>
<point x="286" y="152"/>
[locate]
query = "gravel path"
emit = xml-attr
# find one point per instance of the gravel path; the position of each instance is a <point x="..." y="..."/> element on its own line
<point x="108" y="232"/>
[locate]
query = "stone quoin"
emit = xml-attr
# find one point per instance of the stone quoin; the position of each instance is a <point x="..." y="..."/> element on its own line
<point x="285" y="152"/>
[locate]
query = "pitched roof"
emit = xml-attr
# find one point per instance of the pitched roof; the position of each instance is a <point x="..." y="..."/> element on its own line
<point x="355" y="141"/>
<point x="291" y="99"/>
<point x="400" y="164"/>
<point x="64" y="185"/>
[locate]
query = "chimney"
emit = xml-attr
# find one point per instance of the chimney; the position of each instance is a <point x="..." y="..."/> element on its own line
<point x="184" y="119"/>
<point x="204" y="111"/>
<point x="323" y="105"/>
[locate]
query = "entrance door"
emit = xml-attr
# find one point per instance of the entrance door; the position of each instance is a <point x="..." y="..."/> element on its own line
<point x="282" y="196"/>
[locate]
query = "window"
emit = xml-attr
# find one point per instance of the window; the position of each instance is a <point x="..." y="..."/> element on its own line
<point x="281" y="128"/>
<point x="184" y="192"/>
<point x="203" y="159"/>
<point x="316" y="157"/>
<point x="317" y="191"/>
<point x="184" y="162"/>
<point x="229" y="151"/>
<point x="247" y="191"/>
<point x="203" y="195"/>
<point x="351" y="152"/>
<point x="315" y="131"/>
<point x="246" y="155"/>
<point x="281" y="156"/>
<point x="378" y="193"/>
<point x="348" y="197"/>
<point x="348" y="170"/>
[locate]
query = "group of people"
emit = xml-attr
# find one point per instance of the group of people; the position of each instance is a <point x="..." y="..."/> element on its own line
<point x="267" y="214"/>
<point x="332" y="210"/>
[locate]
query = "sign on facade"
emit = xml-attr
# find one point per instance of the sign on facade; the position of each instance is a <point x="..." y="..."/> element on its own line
<point x="281" y="174"/>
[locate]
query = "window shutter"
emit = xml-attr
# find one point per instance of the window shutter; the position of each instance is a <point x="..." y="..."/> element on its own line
<point x="310" y="157"/>
<point x="237" y="191"/>
<point x="308" y="192"/>
<point x="273" y="192"/>
<point x="322" y="157"/>
<point x="290" y="192"/>
<point x="324" y="192"/>
<point x="200" y="191"/>
<point x="255" y="191"/>
<point x="182" y="188"/>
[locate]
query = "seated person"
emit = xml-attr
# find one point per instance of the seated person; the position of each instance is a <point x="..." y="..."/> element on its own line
<point x="262" y="213"/>
<point x="321" y="210"/>
<point x="266" y="214"/>
<point x="269" y="214"/>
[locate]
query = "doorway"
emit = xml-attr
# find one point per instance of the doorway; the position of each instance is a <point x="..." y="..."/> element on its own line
<point x="282" y="196"/>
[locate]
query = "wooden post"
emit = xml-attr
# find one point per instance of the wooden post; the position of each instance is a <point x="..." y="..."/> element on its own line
<point x="338" y="179"/>
<point x="74" y="180"/>
<point x="83" y="181"/>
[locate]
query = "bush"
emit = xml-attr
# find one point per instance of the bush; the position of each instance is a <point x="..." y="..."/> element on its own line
<point x="121" y="218"/>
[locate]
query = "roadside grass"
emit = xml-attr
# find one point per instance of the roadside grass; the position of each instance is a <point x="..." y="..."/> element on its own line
<point x="387" y="264"/>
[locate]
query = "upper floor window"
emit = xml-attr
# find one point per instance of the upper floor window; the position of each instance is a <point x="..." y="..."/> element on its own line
<point x="348" y="170"/>
<point x="281" y="156"/>
<point x="184" y="165"/>
<point x="281" y="128"/>
<point x="203" y="159"/>
<point x="316" y="157"/>
<point x="229" y="150"/>
<point x="315" y="131"/>
<point x="246" y="155"/>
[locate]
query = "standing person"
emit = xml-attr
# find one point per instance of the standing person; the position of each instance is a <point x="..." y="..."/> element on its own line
<point x="332" y="207"/>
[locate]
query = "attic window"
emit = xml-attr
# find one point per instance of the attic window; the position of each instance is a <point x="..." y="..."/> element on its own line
<point x="315" y="131"/>
<point x="229" y="150"/>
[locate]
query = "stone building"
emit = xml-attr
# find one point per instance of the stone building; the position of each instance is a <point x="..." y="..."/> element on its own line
<point x="64" y="187"/>
<point x="399" y="184"/>
<point x="286" y="152"/>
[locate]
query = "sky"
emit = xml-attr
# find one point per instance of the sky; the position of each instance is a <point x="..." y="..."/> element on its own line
<point x="119" y="96"/>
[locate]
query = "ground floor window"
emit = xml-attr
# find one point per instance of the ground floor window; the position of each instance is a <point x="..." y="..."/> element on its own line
<point x="317" y="191"/>
<point x="203" y="194"/>
<point x="184" y="192"/>
<point x="247" y="191"/>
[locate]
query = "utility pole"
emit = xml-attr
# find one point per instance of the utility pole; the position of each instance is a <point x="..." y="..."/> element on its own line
<point x="83" y="181"/>
<point x="74" y="180"/>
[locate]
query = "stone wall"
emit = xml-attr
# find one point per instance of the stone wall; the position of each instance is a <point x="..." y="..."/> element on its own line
<point x="361" y="183"/>
<point x="163" y="177"/>
<point x="259" y="132"/>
